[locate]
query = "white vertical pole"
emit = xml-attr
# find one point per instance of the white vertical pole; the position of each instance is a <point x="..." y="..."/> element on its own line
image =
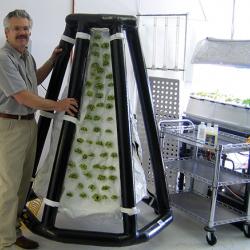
<point x="232" y="26"/>
<point x="154" y="42"/>
<point x="177" y="43"/>
<point x="165" y="43"/>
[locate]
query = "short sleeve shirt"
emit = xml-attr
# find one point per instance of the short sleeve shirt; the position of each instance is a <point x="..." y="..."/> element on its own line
<point x="17" y="73"/>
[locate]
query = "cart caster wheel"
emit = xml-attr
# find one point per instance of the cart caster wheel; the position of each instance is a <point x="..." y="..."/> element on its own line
<point x="246" y="230"/>
<point x="211" y="238"/>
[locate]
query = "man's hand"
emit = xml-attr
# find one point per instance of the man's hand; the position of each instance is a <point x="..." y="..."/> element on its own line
<point x="55" y="55"/>
<point x="69" y="105"/>
<point x="29" y="99"/>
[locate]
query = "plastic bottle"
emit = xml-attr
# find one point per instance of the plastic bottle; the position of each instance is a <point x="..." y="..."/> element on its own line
<point x="201" y="134"/>
<point x="210" y="135"/>
<point x="216" y="133"/>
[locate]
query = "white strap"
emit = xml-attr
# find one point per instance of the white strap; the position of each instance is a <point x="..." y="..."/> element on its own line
<point x="160" y="222"/>
<point x="151" y="202"/>
<point x="68" y="39"/>
<point x="83" y="35"/>
<point x="47" y="114"/>
<point x="117" y="36"/>
<point x="70" y="119"/>
<point x="32" y="179"/>
<point x="51" y="203"/>
<point x="130" y="211"/>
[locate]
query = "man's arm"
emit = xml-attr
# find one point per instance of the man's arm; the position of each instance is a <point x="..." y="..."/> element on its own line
<point x="34" y="101"/>
<point x="44" y="71"/>
<point x="46" y="68"/>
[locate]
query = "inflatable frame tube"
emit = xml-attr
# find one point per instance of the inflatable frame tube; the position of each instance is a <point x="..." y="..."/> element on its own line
<point x="149" y="118"/>
<point x="123" y="124"/>
<point x="67" y="132"/>
<point x="53" y="90"/>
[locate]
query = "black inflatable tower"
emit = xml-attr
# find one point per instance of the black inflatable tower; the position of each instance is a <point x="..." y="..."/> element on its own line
<point x="83" y="23"/>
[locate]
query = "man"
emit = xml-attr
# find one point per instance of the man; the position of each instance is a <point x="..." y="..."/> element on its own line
<point x="18" y="101"/>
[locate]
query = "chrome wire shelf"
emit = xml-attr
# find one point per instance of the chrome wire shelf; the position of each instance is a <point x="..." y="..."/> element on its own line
<point x="198" y="206"/>
<point x="204" y="170"/>
<point x="188" y="134"/>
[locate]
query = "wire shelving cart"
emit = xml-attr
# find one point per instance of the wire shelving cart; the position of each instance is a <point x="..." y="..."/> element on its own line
<point x="205" y="207"/>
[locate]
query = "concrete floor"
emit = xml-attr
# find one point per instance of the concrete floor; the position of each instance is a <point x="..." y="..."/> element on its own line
<point x="183" y="233"/>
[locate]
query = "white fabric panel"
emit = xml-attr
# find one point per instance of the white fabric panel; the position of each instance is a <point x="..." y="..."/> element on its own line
<point x="92" y="180"/>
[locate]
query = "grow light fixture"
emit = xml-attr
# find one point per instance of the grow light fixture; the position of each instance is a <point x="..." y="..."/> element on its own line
<point x="228" y="52"/>
<point x="222" y="52"/>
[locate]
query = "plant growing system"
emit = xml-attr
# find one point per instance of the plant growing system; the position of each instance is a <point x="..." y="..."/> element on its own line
<point x="96" y="156"/>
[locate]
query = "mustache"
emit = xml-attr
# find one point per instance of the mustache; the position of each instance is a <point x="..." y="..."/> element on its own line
<point x="21" y="36"/>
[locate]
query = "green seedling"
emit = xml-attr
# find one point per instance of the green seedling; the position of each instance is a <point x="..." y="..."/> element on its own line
<point x="80" y="186"/>
<point x="84" y="156"/>
<point x="112" y="168"/>
<point x="88" y="117"/>
<point x="109" y="119"/>
<point x="103" y="155"/>
<point x="89" y="142"/>
<point x="88" y="84"/>
<point x="84" y="129"/>
<point x="97" y="129"/>
<point x="83" y="195"/>
<point x="109" y="144"/>
<point x="100" y="143"/>
<point x="83" y="166"/>
<point x="99" y="85"/>
<point x="71" y="164"/>
<point x="112" y="177"/>
<point x="97" y="197"/>
<point x="109" y="106"/>
<point x="99" y="95"/>
<point x="114" y="197"/>
<point x="73" y="176"/>
<point x="69" y="194"/>
<point x="111" y="97"/>
<point x="105" y="188"/>
<point x="111" y="84"/>
<point x="100" y="104"/>
<point x="101" y="177"/>
<point x="92" y="187"/>
<point x="109" y="131"/>
<point x="97" y="118"/>
<point x="109" y="76"/>
<point x="91" y="107"/>
<point x="88" y="175"/>
<point x="105" y="45"/>
<point x="90" y="93"/>
<point x="114" y="155"/>
<point x="78" y="150"/>
<point x="80" y="140"/>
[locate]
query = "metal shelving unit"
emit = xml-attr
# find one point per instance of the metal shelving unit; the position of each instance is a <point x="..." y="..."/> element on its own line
<point x="205" y="208"/>
<point x="203" y="170"/>
<point x="198" y="206"/>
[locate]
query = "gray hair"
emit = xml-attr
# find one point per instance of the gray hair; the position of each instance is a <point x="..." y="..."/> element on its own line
<point x="16" y="13"/>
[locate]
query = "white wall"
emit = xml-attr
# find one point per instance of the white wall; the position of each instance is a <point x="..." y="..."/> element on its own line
<point x="48" y="25"/>
<point x="125" y="7"/>
<point x="206" y="18"/>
